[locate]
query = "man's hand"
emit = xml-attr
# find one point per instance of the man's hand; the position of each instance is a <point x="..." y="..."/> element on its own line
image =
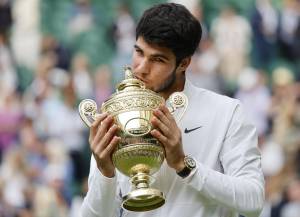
<point x="169" y="135"/>
<point x="103" y="142"/>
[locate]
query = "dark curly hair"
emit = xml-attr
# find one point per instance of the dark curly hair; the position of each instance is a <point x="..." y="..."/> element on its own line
<point x="172" y="26"/>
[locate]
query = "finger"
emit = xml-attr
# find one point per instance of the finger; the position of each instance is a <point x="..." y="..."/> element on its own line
<point x="161" y="116"/>
<point x="159" y="136"/>
<point x="96" y="123"/>
<point x="164" y="109"/>
<point x="102" y="129"/>
<point x="166" y="112"/>
<point x="111" y="146"/>
<point x="161" y="126"/>
<point x="108" y="137"/>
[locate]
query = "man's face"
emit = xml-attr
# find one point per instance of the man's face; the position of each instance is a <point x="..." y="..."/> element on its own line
<point x="154" y="65"/>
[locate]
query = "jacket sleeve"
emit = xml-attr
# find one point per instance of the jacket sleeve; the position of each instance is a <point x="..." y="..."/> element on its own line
<point x="102" y="199"/>
<point x="241" y="186"/>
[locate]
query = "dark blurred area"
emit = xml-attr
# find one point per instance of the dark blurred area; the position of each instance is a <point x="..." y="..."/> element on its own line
<point x="54" y="53"/>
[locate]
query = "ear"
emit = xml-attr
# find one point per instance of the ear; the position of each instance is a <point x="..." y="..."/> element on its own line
<point x="184" y="63"/>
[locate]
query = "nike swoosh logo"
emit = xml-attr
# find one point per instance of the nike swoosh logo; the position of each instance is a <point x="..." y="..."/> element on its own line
<point x="191" y="130"/>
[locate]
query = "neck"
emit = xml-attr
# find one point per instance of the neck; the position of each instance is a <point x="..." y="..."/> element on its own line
<point x="177" y="86"/>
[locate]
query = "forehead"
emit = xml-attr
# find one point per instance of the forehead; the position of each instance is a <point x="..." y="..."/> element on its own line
<point x="153" y="49"/>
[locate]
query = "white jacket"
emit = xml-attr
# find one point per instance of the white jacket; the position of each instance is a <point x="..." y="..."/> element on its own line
<point x="228" y="180"/>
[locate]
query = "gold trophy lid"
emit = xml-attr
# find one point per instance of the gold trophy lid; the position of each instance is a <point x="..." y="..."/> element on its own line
<point x="130" y="82"/>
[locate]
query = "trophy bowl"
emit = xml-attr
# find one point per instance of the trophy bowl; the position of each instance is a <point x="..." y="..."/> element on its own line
<point x="139" y="154"/>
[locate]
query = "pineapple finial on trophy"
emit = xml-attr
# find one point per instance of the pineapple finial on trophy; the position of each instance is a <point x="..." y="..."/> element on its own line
<point x="128" y="72"/>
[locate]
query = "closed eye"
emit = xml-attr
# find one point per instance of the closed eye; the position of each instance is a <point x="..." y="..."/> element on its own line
<point x="138" y="50"/>
<point x="157" y="59"/>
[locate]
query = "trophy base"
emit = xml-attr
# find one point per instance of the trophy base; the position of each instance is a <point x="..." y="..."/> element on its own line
<point x="141" y="200"/>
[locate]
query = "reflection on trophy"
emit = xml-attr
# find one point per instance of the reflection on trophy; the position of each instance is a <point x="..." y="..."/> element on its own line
<point x="139" y="154"/>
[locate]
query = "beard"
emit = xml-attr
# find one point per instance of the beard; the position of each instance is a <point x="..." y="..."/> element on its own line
<point x="168" y="82"/>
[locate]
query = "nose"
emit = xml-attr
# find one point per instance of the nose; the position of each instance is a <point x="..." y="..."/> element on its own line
<point x="142" y="68"/>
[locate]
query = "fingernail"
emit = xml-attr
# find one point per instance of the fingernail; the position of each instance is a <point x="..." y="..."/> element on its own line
<point x="117" y="137"/>
<point x="99" y="115"/>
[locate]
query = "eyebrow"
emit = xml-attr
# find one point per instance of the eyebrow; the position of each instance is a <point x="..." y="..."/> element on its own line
<point x="153" y="55"/>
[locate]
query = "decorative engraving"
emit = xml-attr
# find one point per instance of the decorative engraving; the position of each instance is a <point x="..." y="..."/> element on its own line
<point x="178" y="99"/>
<point x="131" y="102"/>
<point x="87" y="111"/>
<point x="128" y="103"/>
<point x="128" y="140"/>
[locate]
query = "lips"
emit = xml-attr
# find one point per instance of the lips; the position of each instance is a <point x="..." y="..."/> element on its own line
<point x="141" y="79"/>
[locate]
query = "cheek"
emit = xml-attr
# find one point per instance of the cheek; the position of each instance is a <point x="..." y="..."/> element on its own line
<point x="135" y="60"/>
<point x="159" y="77"/>
<point x="161" y="72"/>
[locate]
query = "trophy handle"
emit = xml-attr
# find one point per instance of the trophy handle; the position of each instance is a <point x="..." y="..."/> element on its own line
<point x="87" y="111"/>
<point x="178" y="100"/>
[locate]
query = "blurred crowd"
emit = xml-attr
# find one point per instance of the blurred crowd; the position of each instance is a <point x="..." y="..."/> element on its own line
<point x="44" y="153"/>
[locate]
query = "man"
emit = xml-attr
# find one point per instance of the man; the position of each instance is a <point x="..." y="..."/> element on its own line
<point x="213" y="134"/>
